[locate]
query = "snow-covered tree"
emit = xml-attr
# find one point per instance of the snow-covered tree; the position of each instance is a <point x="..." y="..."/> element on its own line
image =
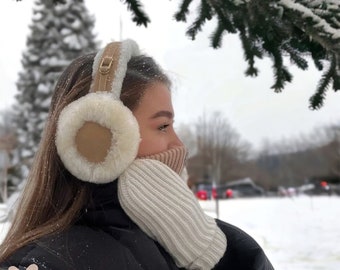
<point x="58" y="34"/>
<point x="270" y="28"/>
<point x="7" y="144"/>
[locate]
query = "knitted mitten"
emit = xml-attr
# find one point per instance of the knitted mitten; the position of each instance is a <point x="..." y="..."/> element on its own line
<point x="163" y="206"/>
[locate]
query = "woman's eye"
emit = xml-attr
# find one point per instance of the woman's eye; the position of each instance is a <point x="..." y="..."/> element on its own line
<point x="163" y="127"/>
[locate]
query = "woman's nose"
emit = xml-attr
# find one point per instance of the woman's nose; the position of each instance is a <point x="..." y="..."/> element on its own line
<point x="175" y="141"/>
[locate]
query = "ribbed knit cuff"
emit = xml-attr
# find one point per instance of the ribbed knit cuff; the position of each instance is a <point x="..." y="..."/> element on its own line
<point x="211" y="256"/>
<point x="163" y="206"/>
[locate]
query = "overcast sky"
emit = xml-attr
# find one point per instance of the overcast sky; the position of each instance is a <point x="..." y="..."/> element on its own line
<point x="205" y="79"/>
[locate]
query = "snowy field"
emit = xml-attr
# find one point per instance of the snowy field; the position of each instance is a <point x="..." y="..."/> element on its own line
<point x="300" y="233"/>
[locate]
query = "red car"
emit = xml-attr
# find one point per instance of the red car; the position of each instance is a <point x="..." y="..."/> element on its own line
<point x="205" y="194"/>
<point x="202" y="195"/>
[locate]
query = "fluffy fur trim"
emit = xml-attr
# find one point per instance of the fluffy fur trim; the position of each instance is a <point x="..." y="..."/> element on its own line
<point x="95" y="65"/>
<point x="102" y="108"/>
<point x="129" y="48"/>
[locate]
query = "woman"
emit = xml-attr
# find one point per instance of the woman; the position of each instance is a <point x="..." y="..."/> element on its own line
<point x="105" y="190"/>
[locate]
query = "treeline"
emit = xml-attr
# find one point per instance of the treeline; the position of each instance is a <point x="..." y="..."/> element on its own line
<point x="219" y="154"/>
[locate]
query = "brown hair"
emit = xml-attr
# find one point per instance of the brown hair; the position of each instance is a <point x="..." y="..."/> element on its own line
<point x="53" y="199"/>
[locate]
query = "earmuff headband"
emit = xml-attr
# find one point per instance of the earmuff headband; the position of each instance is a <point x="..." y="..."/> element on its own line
<point x="97" y="136"/>
<point x="106" y="71"/>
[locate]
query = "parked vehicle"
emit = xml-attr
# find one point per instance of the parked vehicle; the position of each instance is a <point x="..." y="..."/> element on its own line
<point x="206" y="192"/>
<point x="235" y="189"/>
<point x="202" y="194"/>
<point x="318" y="187"/>
<point x="322" y="185"/>
<point x="244" y="188"/>
<point x="335" y="188"/>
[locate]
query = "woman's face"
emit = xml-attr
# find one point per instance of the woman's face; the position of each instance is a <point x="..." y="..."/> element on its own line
<point x="155" y="116"/>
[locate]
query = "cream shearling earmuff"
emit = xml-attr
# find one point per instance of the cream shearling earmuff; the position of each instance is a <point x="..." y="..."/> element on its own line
<point x="98" y="137"/>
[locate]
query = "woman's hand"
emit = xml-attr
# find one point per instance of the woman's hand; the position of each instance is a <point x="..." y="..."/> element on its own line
<point x="30" y="267"/>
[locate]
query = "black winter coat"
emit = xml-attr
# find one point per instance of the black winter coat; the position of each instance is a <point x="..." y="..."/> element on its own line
<point x="105" y="238"/>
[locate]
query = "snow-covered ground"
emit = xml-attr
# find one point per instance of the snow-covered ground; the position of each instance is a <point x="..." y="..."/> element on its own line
<point x="300" y="233"/>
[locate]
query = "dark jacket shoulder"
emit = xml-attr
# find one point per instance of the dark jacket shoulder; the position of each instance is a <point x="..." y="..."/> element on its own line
<point x="243" y="252"/>
<point x="74" y="249"/>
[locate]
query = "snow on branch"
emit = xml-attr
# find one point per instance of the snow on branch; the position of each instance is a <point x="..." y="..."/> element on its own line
<point x="307" y="12"/>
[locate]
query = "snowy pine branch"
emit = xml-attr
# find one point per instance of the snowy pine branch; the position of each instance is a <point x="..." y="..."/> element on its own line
<point x="279" y="28"/>
<point x="183" y="11"/>
<point x="273" y="28"/>
<point x="205" y="13"/>
<point x="138" y="15"/>
<point x="316" y="101"/>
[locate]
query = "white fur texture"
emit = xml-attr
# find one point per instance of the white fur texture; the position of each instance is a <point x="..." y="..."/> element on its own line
<point x="129" y="48"/>
<point x="95" y="65"/>
<point x="101" y="108"/>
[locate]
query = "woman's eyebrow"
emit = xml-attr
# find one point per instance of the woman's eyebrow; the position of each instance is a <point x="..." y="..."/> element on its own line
<point x="167" y="114"/>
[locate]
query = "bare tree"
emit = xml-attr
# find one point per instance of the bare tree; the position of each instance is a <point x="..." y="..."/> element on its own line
<point x="331" y="150"/>
<point x="291" y="162"/>
<point x="220" y="149"/>
<point x="187" y="136"/>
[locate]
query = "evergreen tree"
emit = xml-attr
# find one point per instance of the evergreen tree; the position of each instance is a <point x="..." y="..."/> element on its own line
<point x="271" y="28"/>
<point x="59" y="33"/>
